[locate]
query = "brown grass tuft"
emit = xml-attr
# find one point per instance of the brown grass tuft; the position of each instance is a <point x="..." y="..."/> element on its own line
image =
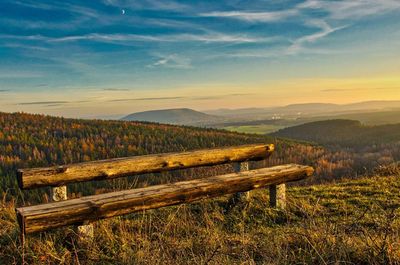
<point x="352" y="222"/>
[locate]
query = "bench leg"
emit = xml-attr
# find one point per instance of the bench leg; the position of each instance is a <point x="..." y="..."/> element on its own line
<point x="58" y="193"/>
<point x="85" y="232"/>
<point x="277" y="196"/>
<point x="239" y="167"/>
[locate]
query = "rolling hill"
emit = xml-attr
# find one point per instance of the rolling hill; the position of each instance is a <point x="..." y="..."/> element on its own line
<point x="372" y="112"/>
<point x="28" y="140"/>
<point x="266" y="126"/>
<point x="342" y="132"/>
<point x="182" y="116"/>
<point x="367" y="118"/>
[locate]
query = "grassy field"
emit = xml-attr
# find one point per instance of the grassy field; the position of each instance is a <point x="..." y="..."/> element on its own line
<point x="270" y="126"/>
<point x="257" y="129"/>
<point x="351" y="222"/>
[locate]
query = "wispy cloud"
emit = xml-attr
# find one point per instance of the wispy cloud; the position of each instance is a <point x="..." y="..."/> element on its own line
<point x="219" y="37"/>
<point x="77" y="16"/>
<point x="71" y="8"/>
<point x="52" y="103"/>
<point x="125" y="38"/>
<point x="253" y="16"/>
<point x="172" y="61"/>
<point x="116" y="89"/>
<point x="23" y="46"/>
<point x="213" y="97"/>
<point x="167" y="5"/>
<point x="196" y="98"/>
<point x="42" y="102"/>
<point x="40" y="24"/>
<point x="144" y="99"/>
<point x="325" y="30"/>
<point x="340" y="90"/>
<point x="4" y="90"/>
<point x="334" y="90"/>
<point x="352" y="9"/>
<point x="159" y="38"/>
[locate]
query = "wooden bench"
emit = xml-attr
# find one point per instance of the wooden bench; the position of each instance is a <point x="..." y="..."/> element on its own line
<point x="62" y="212"/>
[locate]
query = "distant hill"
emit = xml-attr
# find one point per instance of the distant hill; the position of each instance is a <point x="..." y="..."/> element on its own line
<point x="342" y="132"/>
<point x="306" y="110"/>
<point x="293" y="113"/>
<point x="373" y="105"/>
<point x="173" y="116"/>
<point x="367" y="118"/>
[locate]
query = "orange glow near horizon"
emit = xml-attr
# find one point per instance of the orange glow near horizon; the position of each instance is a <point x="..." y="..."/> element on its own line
<point x="89" y="102"/>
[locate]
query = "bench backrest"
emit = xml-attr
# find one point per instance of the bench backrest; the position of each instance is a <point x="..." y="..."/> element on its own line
<point x="128" y="166"/>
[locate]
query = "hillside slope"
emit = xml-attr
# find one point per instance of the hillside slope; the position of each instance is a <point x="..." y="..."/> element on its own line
<point x="351" y="222"/>
<point x="343" y="132"/>
<point x="172" y="116"/>
<point x="28" y="140"/>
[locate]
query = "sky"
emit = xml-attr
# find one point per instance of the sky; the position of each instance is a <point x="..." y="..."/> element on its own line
<point x="114" y="57"/>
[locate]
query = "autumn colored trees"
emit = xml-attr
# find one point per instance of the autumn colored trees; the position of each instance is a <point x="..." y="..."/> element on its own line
<point x="28" y="140"/>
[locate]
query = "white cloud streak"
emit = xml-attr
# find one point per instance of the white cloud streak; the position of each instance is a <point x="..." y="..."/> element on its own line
<point x="148" y="5"/>
<point x="253" y="16"/>
<point x="352" y="9"/>
<point x="326" y="29"/>
<point x="77" y="9"/>
<point x="172" y="61"/>
<point x="206" y="38"/>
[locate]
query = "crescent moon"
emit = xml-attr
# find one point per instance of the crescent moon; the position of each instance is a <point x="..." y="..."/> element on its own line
<point x="123" y="11"/>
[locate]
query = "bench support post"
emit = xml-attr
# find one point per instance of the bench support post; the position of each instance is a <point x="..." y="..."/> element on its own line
<point x="85" y="232"/>
<point x="240" y="167"/>
<point x="58" y="193"/>
<point x="277" y="196"/>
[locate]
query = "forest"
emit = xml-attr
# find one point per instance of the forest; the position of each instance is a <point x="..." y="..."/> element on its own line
<point x="344" y="133"/>
<point x="28" y="140"/>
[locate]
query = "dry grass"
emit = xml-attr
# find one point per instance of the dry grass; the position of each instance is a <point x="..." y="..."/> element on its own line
<point x="353" y="222"/>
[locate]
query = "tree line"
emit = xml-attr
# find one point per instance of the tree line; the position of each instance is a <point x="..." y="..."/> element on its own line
<point x="29" y="140"/>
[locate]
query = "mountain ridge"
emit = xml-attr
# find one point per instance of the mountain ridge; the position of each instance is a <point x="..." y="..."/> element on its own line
<point x="309" y="108"/>
<point x="178" y="116"/>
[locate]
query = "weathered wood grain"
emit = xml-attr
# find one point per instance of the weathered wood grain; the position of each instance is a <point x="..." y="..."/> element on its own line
<point x="77" y="211"/>
<point x="121" y="167"/>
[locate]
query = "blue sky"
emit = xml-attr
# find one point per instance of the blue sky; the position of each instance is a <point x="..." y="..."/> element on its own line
<point x="112" y="57"/>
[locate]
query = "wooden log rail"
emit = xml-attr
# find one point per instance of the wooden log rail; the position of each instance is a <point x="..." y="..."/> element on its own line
<point x="77" y="211"/>
<point x="122" y="167"/>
